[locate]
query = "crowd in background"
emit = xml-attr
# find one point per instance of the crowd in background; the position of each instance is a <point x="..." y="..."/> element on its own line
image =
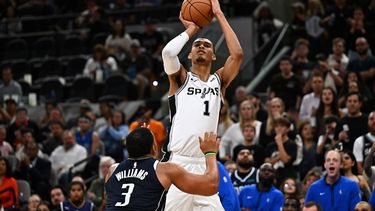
<point x="320" y="99"/>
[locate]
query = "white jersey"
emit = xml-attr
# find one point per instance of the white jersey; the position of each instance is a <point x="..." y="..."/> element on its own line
<point x="194" y="109"/>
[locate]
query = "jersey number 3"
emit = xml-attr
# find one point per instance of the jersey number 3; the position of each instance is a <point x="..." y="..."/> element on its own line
<point x="126" y="194"/>
<point x="206" y="106"/>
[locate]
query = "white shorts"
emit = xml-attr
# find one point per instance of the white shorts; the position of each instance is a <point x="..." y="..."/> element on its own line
<point x="181" y="201"/>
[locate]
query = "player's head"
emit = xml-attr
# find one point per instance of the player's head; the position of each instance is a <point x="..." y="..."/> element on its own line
<point x="202" y="51"/>
<point x="140" y="142"/>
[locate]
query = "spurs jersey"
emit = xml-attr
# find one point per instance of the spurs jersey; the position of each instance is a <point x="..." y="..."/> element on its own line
<point x="194" y="109"/>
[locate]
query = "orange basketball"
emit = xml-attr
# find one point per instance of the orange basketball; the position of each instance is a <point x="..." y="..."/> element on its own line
<point x="197" y="11"/>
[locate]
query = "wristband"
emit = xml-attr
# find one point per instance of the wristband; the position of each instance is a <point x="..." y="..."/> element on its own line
<point x="209" y="153"/>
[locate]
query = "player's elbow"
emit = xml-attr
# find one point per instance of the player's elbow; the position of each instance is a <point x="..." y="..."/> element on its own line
<point x="212" y="189"/>
<point x="167" y="53"/>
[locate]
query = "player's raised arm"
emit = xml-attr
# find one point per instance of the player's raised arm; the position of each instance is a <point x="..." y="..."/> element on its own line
<point x="206" y="184"/>
<point x="172" y="67"/>
<point x="234" y="61"/>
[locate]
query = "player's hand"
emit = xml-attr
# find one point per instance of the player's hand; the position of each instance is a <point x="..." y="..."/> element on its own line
<point x="189" y="25"/>
<point x="209" y="143"/>
<point x="216" y="7"/>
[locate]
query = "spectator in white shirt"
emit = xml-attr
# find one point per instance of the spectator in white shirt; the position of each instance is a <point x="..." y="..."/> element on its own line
<point x="100" y="66"/>
<point x="310" y="102"/>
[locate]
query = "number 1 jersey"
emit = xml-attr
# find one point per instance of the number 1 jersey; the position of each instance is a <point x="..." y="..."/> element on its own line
<point x="194" y="109"/>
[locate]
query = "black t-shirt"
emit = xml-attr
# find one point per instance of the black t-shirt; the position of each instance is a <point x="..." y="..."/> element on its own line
<point x="288" y="89"/>
<point x="357" y="127"/>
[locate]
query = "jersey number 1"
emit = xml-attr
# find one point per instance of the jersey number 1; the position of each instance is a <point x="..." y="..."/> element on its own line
<point x="126" y="194"/>
<point x="206" y="106"/>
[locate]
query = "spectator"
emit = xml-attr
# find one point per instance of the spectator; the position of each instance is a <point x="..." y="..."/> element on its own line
<point x="36" y="170"/>
<point x="261" y="113"/>
<point x="57" y="194"/>
<point x="33" y="202"/>
<point x="315" y="31"/>
<point x="227" y="193"/>
<point x="290" y="188"/>
<point x="152" y="39"/>
<point x="224" y="120"/>
<point x="310" y="102"/>
<point x="86" y="136"/>
<point x="311" y="176"/>
<point x="8" y="183"/>
<point x="350" y="170"/>
<point x="22" y="121"/>
<point x="291" y="204"/>
<point x="245" y="173"/>
<point x="10" y="88"/>
<point x="234" y="135"/>
<point x="363" y="206"/>
<point x="64" y="157"/>
<point x="44" y="206"/>
<point x="283" y="151"/>
<point x="76" y="198"/>
<point x="353" y="82"/>
<point x="299" y="19"/>
<point x="105" y="112"/>
<point x="48" y="106"/>
<point x="326" y="141"/>
<point x="113" y="135"/>
<point x="239" y="96"/>
<point x="302" y="66"/>
<point x="328" y="106"/>
<point x="55" y="137"/>
<point x="309" y="148"/>
<point x="312" y="206"/>
<point x="5" y="148"/>
<point x="256" y="150"/>
<point x="11" y="106"/>
<point x="96" y="190"/>
<point x="338" y="60"/>
<point x="118" y="43"/>
<point x="54" y="115"/>
<point x="138" y="67"/>
<point x="358" y="27"/>
<point x="363" y="144"/>
<point x="100" y="66"/>
<point x="263" y="195"/>
<point x="334" y="192"/>
<point x="286" y="85"/>
<point x="352" y="125"/>
<point x="230" y="166"/>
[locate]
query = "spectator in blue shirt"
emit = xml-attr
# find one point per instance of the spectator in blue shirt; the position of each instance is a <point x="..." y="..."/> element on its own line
<point x="227" y="194"/>
<point x="334" y="192"/>
<point x="262" y="196"/>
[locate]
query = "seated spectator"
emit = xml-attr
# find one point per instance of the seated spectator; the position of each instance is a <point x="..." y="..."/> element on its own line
<point x="309" y="148"/>
<point x="76" y="198"/>
<point x="55" y="114"/>
<point x="11" y="106"/>
<point x="113" y="134"/>
<point x="326" y="141"/>
<point x="302" y="66"/>
<point x="263" y="195"/>
<point x="118" y="43"/>
<point x="283" y="151"/>
<point x="5" y="148"/>
<point x="353" y="82"/>
<point x="9" y="88"/>
<point x="291" y="204"/>
<point x="310" y="102"/>
<point x="33" y="202"/>
<point x="57" y="194"/>
<point x="54" y="138"/>
<point x="100" y="66"/>
<point x="349" y="169"/>
<point x="22" y="121"/>
<point x="290" y="188"/>
<point x="338" y="60"/>
<point x="245" y="173"/>
<point x="44" y="206"/>
<point x="36" y="170"/>
<point x="48" y="106"/>
<point x="8" y="183"/>
<point x="96" y="190"/>
<point x="86" y="136"/>
<point x="65" y="156"/>
<point x="234" y="134"/>
<point x="105" y="112"/>
<point x="311" y="176"/>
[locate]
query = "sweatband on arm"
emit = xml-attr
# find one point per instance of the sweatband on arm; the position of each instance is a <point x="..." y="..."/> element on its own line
<point x="170" y="52"/>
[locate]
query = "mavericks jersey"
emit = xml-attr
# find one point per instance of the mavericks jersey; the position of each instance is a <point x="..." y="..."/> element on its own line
<point x="194" y="109"/>
<point x="134" y="186"/>
<point x="240" y="182"/>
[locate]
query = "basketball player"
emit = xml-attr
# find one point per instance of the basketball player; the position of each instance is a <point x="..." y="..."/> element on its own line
<point x="195" y="99"/>
<point x="141" y="182"/>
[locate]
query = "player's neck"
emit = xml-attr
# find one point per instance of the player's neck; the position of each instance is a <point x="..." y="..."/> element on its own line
<point x="203" y="72"/>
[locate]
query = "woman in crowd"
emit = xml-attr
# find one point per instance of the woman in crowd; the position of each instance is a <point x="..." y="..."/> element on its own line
<point x="306" y="133"/>
<point x="290" y="188"/>
<point x="9" y="188"/>
<point x="224" y="121"/>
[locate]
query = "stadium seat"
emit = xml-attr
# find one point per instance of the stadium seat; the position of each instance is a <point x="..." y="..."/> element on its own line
<point x="82" y="87"/>
<point x="50" y="67"/>
<point x="75" y="67"/>
<point x="17" y="49"/>
<point x="99" y="39"/>
<point x="24" y="191"/>
<point x="44" y="46"/>
<point x="119" y="92"/>
<point x="52" y="89"/>
<point x="72" y="45"/>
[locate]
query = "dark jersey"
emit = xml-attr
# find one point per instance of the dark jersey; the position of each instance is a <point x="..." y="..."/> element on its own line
<point x="135" y="186"/>
<point x="67" y="206"/>
<point x="241" y="180"/>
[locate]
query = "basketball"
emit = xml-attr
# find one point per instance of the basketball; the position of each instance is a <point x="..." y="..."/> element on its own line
<point x="197" y="11"/>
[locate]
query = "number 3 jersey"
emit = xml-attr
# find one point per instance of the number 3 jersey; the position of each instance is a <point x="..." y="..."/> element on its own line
<point x="134" y="186"/>
<point x="194" y="109"/>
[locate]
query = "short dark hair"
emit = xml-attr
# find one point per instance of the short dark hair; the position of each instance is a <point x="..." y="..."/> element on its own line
<point x="285" y="58"/>
<point x="360" y="98"/>
<point x="282" y="121"/>
<point x="139" y="142"/>
<point x="313" y="203"/>
<point x="8" y="171"/>
<point x="77" y="183"/>
<point x="59" y="187"/>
